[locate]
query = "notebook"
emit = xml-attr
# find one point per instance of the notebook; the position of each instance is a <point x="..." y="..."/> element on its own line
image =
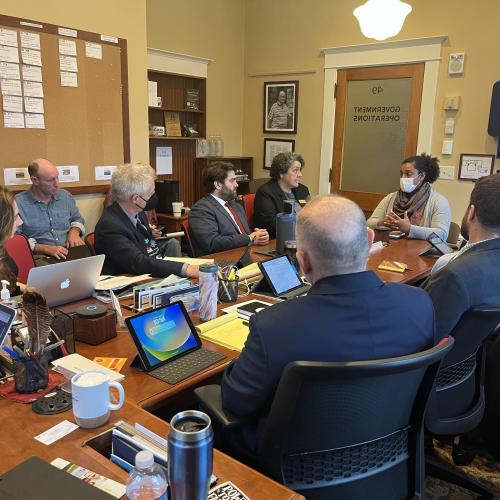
<point x="229" y="331"/>
<point x="67" y="281"/>
<point x="74" y="253"/>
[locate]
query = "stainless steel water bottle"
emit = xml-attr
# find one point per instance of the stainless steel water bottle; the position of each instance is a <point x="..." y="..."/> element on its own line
<point x="190" y="455"/>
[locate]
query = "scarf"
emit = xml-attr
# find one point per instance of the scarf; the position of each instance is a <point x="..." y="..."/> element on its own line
<point x="412" y="203"/>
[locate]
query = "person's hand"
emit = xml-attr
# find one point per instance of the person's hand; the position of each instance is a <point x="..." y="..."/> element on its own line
<point x="192" y="271"/>
<point x="56" y="251"/>
<point x="259" y="236"/>
<point x="74" y="239"/>
<point x="397" y="223"/>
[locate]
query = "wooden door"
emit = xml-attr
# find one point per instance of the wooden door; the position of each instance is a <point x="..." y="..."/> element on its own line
<point x="376" y="126"/>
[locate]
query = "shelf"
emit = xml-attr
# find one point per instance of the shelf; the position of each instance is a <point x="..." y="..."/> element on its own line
<point x="164" y="138"/>
<point x="178" y="110"/>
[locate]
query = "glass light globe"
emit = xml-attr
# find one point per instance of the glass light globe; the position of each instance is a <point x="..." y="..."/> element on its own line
<point x="381" y="19"/>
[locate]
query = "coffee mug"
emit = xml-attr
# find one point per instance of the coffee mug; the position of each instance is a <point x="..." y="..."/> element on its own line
<point x="177" y="208"/>
<point x="91" y="398"/>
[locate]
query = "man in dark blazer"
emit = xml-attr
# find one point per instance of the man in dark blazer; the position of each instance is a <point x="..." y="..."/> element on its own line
<point x="123" y="233"/>
<point x="284" y="186"/>
<point x="217" y="222"/>
<point x="349" y="314"/>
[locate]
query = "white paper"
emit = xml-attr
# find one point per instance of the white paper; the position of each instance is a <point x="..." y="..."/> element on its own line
<point x="32" y="73"/>
<point x="9" y="70"/>
<point x="108" y="38"/>
<point x="35" y="120"/>
<point x="67" y="32"/>
<point x="11" y="87"/>
<point x="30" y="40"/>
<point x="69" y="173"/>
<point x="33" y="105"/>
<point x="67" y="47"/>
<point x="163" y="160"/>
<point x="32" y="25"/>
<point x="9" y="54"/>
<point x="57" y="432"/>
<point x="31" y="56"/>
<point x="119" y="282"/>
<point x="447" y="148"/>
<point x="475" y="167"/>
<point x="13" y="120"/>
<point x="32" y="89"/>
<point x="69" y="79"/>
<point x="116" y="306"/>
<point x="104" y="173"/>
<point x="8" y="37"/>
<point x="13" y="103"/>
<point x="68" y="63"/>
<point x="93" y="50"/>
<point x="16" y="176"/>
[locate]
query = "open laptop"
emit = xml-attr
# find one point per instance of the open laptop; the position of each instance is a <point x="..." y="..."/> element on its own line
<point x="67" y="281"/>
<point x="7" y="316"/>
<point x="243" y="260"/>
<point x="167" y="344"/>
<point x="74" y="253"/>
<point x="280" y="279"/>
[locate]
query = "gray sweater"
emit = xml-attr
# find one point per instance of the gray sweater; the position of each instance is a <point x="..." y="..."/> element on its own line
<point x="436" y="218"/>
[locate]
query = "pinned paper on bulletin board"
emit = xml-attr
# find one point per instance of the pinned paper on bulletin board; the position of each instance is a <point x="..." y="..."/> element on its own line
<point x="16" y="176"/>
<point x="104" y="173"/>
<point x="69" y="173"/>
<point x="163" y="160"/>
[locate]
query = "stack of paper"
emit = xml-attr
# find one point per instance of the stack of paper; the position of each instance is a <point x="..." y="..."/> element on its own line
<point x="115" y="282"/>
<point x="229" y="331"/>
<point x="190" y="260"/>
<point x="74" y="363"/>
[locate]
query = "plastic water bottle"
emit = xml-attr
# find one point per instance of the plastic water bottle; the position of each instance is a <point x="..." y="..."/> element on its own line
<point x="146" y="480"/>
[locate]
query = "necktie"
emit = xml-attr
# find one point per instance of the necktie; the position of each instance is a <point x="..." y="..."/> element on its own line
<point x="236" y="218"/>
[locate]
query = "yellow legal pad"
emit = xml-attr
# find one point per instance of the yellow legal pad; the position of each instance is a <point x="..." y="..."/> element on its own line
<point x="228" y="331"/>
<point x="392" y="265"/>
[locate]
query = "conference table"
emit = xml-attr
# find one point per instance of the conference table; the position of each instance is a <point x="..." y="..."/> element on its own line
<point x="146" y="395"/>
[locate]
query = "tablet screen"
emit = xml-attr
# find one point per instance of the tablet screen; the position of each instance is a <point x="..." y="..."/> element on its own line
<point x="282" y="274"/>
<point x="162" y="334"/>
<point x="7" y="315"/>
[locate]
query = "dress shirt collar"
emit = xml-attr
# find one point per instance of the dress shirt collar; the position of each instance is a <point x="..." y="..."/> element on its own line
<point x="220" y="200"/>
<point x="32" y="199"/>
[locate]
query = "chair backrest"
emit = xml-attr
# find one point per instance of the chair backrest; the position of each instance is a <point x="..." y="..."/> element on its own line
<point x="90" y="242"/>
<point x="185" y="227"/>
<point x="19" y="249"/>
<point x="340" y="430"/>
<point x="248" y="205"/>
<point x="457" y="402"/>
<point x="453" y="233"/>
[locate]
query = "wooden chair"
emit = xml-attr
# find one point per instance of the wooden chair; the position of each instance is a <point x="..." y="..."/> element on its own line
<point x="19" y="249"/>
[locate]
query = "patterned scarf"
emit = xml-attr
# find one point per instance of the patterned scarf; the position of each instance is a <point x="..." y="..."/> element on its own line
<point x="412" y="203"/>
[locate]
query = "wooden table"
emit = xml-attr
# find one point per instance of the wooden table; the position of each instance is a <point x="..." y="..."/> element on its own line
<point x="172" y="224"/>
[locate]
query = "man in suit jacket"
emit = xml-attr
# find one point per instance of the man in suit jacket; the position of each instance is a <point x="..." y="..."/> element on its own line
<point x="217" y="222"/>
<point x="349" y="313"/>
<point x="123" y="233"/>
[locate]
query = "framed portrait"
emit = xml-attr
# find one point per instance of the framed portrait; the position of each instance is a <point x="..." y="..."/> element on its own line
<point x="281" y="103"/>
<point x="474" y="166"/>
<point x="272" y="147"/>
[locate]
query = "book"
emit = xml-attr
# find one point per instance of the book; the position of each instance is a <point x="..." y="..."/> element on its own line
<point x="172" y="124"/>
<point x="225" y="491"/>
<point x="228" y="331"/>
<point x="250" y="308"/>
<point x="192" y="99"/>
<point x="115" y="364"/>
<point x="75" y="363"/>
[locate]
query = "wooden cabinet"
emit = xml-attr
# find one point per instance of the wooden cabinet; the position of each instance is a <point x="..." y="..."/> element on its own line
<point x="172" y="89"/>
<point x="243" y="163"/>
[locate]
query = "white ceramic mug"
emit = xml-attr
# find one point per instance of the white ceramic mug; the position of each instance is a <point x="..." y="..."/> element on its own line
<point x="91" y="398"/>
<point x="177" y="208"/>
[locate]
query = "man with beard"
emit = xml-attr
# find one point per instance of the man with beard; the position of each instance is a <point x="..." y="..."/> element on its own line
<point x="217" y="222"/>
<point x="471" y="278"/>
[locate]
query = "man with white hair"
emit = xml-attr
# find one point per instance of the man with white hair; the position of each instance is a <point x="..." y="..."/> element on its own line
<point x="123" y="234"/>
<point x="349" y="314"/>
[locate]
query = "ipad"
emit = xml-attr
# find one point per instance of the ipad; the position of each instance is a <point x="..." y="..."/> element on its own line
<point x="281" y="275"/>
<point x="163" y="334"/>
<point x="7" y="316"/>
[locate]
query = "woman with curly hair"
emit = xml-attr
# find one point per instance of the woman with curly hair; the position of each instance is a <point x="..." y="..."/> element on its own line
<point x="415" y="209"/>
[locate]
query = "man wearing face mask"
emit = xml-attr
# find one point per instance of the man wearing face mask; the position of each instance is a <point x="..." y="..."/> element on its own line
<point x="123" y="234"/>
<point x="415" y="209"/>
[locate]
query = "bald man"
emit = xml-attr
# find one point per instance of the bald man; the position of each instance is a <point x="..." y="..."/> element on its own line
<point x="349" y="314"/>
<point x="51" y="220"/>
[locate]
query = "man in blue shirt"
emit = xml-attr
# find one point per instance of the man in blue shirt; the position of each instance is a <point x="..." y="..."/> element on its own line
<point x="51" y="219"/>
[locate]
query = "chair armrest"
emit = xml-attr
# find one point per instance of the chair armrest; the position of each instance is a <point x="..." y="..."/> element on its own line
<point x="210" y="399"/>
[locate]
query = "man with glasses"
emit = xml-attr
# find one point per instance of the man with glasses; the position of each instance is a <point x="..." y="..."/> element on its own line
<point x="123" y="234"/>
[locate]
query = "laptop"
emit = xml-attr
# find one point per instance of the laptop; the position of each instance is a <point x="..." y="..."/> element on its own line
<point x="74" y="253"/>
<point x="280" y="279"/>
<point x="168" y="345"/>
<point x="243" y="260"/>
<point x="67" y="281"/>
<point x="7" y="316"/>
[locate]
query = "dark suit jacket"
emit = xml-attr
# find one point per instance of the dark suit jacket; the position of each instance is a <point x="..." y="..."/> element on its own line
<point x="269" y="201"/>
<point x="124" y="246"/>
<point x="470" y="280"/>
<point x="343" y="318"/>
<point x="213" y="230"/>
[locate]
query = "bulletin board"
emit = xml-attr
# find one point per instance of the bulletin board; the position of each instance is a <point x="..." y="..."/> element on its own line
<point x="84" y="126"/>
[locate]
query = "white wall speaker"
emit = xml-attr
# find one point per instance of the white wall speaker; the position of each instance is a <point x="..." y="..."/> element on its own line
<point x="456" y="63"/>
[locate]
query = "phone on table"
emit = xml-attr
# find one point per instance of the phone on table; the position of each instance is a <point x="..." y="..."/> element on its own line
<point x="439" y="244"/>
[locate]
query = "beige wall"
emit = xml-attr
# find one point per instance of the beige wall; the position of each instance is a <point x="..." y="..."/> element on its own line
<point x="286" y="36"/>
<point x="213" y="29"/>
<point x="121" y="18"/>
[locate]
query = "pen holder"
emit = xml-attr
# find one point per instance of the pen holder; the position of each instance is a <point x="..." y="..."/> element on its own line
<point x="31" y="375"/>
<point x="228" y="290"/>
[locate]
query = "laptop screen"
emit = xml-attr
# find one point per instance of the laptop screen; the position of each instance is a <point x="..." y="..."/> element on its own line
<point x="7" y="316"/>
<point x="282" y="274"/>
<point x="162" y="334"/>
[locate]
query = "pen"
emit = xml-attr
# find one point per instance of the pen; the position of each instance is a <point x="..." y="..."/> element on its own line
<point x="11" y="353"/>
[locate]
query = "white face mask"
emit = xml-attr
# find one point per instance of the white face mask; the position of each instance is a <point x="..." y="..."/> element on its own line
<point x="407" y="185"/>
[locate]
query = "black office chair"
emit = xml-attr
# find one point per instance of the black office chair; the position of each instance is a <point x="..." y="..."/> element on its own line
<point x="456" y="405"/>
<point x="346" y="430"/>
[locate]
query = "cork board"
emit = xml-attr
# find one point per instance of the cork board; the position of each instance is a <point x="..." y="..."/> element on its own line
<point x="85" y="126"/>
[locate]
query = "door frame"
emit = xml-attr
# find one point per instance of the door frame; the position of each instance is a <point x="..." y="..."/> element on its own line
<point x="426" y="50"/>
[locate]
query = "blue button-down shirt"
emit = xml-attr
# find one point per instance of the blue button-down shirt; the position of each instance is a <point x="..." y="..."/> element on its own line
<point x="48" y="224"/>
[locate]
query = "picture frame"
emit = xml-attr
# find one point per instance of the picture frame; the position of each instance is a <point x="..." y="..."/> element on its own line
<point x="272" y="147"/>
<point x="281" y="104"/>
<point x="474" y="166"/>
